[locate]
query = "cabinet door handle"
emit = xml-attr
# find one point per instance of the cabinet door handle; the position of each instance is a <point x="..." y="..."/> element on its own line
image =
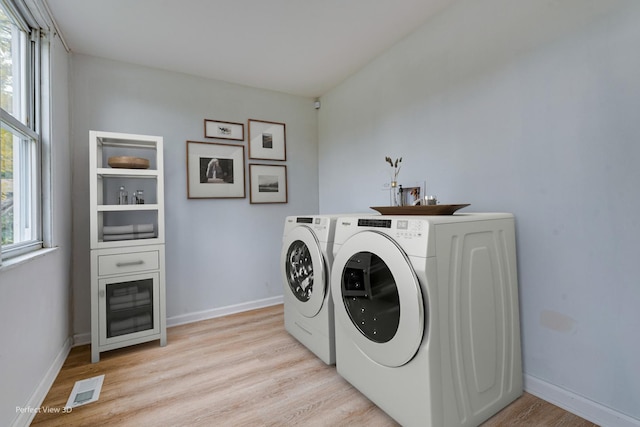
<point x="130" y="263"/>
<point x="101" y="293"/>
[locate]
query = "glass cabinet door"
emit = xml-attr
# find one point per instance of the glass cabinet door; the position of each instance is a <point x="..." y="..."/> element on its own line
<point x="128" y="307"/>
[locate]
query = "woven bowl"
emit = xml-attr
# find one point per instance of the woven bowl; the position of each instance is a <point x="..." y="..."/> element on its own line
<point x="128" y="162"/>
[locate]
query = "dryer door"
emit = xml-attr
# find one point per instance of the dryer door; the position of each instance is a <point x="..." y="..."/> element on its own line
<point x="377" y="298"/>
<point x="303" y="270"/>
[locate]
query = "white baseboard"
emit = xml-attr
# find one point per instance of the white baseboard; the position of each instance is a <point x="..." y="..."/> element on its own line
<point x="81" y="339"/>
<point x="40" y="393"/>
<point x="85" y="338"/>
<point x="576" y="404"/>
<point x="223" y="311"/>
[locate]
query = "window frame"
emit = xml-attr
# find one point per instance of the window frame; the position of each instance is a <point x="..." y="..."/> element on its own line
<point x="29" y="128"/>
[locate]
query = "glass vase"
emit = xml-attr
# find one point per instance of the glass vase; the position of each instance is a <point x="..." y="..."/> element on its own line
<point x="393" y="193"/>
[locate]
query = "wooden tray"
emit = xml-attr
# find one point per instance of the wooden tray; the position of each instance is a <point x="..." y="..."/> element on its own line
<point x="419" y="210"/>
<point x="128" y="162"/>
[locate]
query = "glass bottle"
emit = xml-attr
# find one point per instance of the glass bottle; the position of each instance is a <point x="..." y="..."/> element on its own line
<point x="122" y="196"/>
<point x="139" y="197"/>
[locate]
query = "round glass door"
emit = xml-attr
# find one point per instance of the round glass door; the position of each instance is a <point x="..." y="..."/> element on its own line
<point x="303" y="271"/>
<point x="299" y="270"/>
<point x="370" y="296"/>
<point x="378" y="302"/>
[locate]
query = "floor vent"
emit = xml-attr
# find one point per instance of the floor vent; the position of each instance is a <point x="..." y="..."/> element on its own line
<point x="85" y="391"/>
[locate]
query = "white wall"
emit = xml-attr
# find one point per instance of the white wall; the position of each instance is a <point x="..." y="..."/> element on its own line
<point x="531" y="108"/>
<point x="219" y="252"/>
<point x="35" y="317"/>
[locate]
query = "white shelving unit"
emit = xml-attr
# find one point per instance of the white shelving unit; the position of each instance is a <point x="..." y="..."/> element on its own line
<point x="127" y="269"/>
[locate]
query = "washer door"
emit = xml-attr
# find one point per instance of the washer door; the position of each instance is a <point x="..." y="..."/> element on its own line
<point x="377" y="298"/>
<point x="303" y="270"/>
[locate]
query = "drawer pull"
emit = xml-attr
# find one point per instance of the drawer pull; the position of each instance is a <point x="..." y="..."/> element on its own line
<point x="130" y="263"/>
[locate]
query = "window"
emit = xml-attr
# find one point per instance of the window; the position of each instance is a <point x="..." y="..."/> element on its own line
<point x="20" y="173"/>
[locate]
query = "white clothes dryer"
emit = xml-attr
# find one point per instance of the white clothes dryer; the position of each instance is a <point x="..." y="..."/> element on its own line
<point x="307" y="253"/>
<point x="427" y="317"/>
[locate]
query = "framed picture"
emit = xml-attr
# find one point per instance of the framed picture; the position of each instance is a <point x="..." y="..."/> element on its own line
<point x="223" y="130"/>
<point x="268" y="183"/>
<point x="411" y="193"/>
<point x="215" y="171"/>
<point x="267" y="140"/>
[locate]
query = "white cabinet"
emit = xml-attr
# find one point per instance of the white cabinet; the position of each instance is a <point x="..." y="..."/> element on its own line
<point x="127" y="241"/>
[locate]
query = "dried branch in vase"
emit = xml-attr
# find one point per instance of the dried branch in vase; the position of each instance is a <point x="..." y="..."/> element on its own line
<point x="395" y="165"/>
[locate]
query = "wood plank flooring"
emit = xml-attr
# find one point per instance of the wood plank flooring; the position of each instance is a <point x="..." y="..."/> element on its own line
<point x="239" y="370"/>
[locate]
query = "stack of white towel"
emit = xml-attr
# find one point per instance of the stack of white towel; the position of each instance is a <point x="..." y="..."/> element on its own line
<point x="129" y="325"/>
<point x="129" y="298"/>
<point x="127" y="232"/>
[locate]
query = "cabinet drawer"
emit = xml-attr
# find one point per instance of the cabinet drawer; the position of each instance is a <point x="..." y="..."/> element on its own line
<point x="128" y="263"/>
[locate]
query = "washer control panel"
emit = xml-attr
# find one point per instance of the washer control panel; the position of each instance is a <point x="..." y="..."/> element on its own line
<point x="322" y="226"/>
<point x="316" y="223"/>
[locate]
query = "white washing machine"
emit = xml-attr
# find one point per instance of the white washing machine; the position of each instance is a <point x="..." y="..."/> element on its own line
<point x="427" y="318"/>
<point x="307" y="252"/>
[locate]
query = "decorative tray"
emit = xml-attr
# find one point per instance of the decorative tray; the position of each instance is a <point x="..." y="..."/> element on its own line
<point x="128" y="162"/>
<point x="419" y="210"/>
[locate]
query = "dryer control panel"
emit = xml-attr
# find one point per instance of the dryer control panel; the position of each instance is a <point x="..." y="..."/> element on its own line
<point x="413" y="236"/>
<point x="411" y="233"/>
<point x="409" y="229"/>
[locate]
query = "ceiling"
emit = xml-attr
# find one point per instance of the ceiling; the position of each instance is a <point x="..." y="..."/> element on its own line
<point x="301" y="47"/>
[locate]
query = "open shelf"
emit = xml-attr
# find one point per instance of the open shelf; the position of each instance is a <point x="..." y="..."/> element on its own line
<point x="127" y="208"/>
<point x="128" y="173"/>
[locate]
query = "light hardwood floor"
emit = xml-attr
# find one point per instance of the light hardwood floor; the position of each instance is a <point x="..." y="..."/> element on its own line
<point x="239" y="370"/>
